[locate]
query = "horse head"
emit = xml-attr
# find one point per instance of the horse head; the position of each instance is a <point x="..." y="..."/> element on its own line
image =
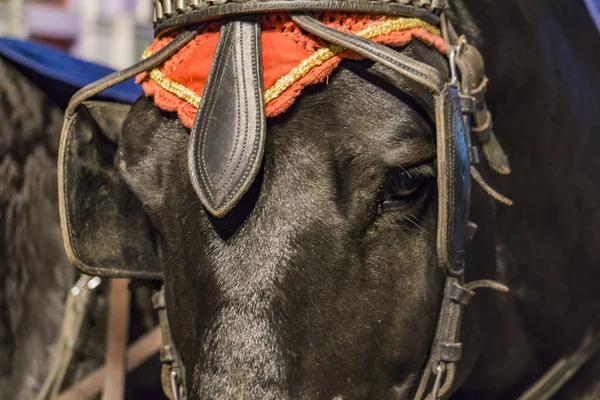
<point x="324" y="253"/>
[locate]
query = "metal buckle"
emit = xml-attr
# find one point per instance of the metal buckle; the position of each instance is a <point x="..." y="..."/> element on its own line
<point x="453" y="54"/>
<point x="453" y="73"/>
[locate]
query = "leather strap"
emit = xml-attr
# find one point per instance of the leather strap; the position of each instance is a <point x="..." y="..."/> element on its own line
<point x="446" y="350"/>
<point x="115" y="78"/>
<point x="564" y="369"/>
<point x="116" y="346"/>
<point x="419" y="72"/>
<point x="227" y="139"/>
<point x="474" y="83"/>
<point x="224" y="8"/>
<point x="173" y="371"/>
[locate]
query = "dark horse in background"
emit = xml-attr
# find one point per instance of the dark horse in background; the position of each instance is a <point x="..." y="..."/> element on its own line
<point x="35" y="274"/>
<point x="323" y="283"/>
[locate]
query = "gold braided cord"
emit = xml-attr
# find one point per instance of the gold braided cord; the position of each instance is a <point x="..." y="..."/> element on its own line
<point x="171" y="86"/>
<point x="390" y="25"/>
<point x="320" y="56"/>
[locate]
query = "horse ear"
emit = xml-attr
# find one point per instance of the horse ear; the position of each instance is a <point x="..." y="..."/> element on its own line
<point x="105" y="229"/>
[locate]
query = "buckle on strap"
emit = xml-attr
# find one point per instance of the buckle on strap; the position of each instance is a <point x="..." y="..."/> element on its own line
<point x="467" y="103"/>
<point x="460" y="295"/>
<point x="451" y="352"/>
<point x="173" y="374"/>
<point x="446" y="350"/>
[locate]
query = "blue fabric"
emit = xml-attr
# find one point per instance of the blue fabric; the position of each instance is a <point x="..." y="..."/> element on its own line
<point x="61" y="67"/>
<point x="594" y="8"/>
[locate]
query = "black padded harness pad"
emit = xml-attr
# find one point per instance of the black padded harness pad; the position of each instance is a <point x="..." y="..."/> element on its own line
<point x="454" y="182"/>
<point x="228" y="136"/>
<point x="105" y="229"/>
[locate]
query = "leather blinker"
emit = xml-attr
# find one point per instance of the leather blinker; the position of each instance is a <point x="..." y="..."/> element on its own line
<point x="105" y="229"/>
<point x="228" y="136"/>
<point x="454" y="182"/>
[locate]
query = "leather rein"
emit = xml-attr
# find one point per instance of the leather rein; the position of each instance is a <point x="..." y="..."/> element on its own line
<point x="463" y="123"/>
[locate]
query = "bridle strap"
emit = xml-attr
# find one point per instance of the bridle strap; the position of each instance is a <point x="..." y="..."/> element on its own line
<point x="446" y="350"/>
<point x="474" y="83"/>
<point x="173" y="371"/>
<point x="410" y="68"/>
<point x="147" y="64"/>
<point x="169" y="16"/>
<point x="564" y="369"/>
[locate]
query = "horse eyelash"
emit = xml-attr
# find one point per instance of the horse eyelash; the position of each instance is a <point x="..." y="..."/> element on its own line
<point x="421" y="171"/>
<point x="415" y="220"/>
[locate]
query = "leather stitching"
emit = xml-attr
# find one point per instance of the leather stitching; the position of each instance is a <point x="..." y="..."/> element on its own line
<point x="371" y="50"/>
<point x="451" y="168"/>
<point x="260" y="120"/>
<point x="66" y="172"/>
<point x="396" y="60"/>
<point x="199" y="151"/>
<point x="212" y="92"/>
<point x="371" y="6"/>
<point x="242" y="180"/>
<point x="239" y="110"/>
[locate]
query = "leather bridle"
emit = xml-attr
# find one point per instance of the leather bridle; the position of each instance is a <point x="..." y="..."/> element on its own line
<point x="463" y="126"/>
<point x="454" y="106"/>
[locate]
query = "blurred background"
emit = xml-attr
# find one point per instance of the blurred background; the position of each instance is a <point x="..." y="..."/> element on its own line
<point x="109" y="32"/>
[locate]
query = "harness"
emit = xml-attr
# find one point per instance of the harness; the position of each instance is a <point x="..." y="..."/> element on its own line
<point x="463" y="128"/>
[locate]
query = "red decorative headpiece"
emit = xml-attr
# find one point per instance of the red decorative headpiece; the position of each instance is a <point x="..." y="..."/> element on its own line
<point x="291" y="58"/>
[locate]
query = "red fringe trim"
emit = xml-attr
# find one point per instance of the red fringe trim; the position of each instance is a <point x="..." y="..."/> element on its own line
<point x="352" y="23"/>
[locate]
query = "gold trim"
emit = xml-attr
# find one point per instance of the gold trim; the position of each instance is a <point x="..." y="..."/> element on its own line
<point x="393" y="24"/>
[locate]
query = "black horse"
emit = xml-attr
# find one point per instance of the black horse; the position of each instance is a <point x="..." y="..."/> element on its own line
<point x="35" y="274"/>
<point x="323" y="282"/>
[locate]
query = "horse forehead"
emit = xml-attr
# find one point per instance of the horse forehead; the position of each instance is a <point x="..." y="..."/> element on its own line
<point x="352" y="115"/>
<point x="294" y="211"/>
<point x="323" y="143"/>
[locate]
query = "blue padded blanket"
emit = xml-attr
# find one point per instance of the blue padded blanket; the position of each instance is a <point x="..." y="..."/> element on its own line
<point x="56" y="71"/>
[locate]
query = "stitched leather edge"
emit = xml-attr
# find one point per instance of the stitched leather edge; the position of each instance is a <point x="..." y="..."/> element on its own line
<point x="224" y="10"/>
<point x="224" y="206"/>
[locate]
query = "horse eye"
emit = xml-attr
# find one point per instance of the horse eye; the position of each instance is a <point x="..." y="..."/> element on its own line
<point x="404" y="184"/>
